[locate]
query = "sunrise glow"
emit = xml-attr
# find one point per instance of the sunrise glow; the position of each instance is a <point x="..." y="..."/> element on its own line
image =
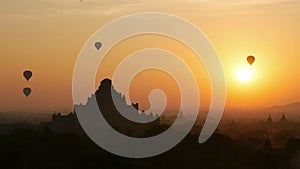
<point x="245" y="74"/>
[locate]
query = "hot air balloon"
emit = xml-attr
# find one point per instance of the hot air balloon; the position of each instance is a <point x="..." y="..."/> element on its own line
<point x="98" y="45"/>
<point x="250" y="59"/>
<point x="27" y="91"/>
<point x="27" y="74"/>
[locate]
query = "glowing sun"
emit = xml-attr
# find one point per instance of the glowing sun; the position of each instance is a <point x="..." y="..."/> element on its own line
<point x="244" y="74"/>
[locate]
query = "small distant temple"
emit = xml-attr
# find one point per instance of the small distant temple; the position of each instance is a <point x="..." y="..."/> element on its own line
<point x="181" y="118"/>
<point x="63" y="124"/>
<point x="269" y="120"/>
<point x="283" y="119"/>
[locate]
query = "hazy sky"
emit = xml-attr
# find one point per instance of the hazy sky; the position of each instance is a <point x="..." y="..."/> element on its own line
<point x="47" y="36"/>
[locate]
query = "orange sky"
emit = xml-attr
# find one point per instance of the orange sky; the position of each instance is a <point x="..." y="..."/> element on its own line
<point x="47" y="36"/>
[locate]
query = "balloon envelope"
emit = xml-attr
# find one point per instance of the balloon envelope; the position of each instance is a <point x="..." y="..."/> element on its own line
<point x="27" y="91"/>
<point x="27" y="74"/>
<point x="98" y="45"/>
<point x="250" y="59"/>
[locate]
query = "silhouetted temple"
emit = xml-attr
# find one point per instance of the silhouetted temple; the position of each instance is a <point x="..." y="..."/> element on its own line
<point x="283" y="119"/>
<point x="104" y="96"/>
<point x="270" y="120"/>
<point x="64" y="124"/>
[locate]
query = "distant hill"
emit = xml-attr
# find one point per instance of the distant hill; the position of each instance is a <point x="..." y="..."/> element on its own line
<point x="292" y="107"/>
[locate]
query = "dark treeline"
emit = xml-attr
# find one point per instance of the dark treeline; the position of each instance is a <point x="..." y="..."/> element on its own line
<point x="26" y="148"/>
